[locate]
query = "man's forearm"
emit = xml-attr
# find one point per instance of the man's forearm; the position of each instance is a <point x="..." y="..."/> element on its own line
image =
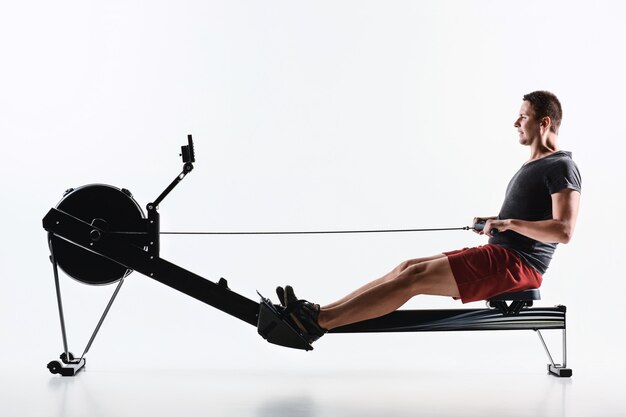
<point x="549" y="231"/>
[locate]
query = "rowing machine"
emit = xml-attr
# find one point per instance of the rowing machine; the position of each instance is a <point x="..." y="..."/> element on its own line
<point x="98" y="235"/>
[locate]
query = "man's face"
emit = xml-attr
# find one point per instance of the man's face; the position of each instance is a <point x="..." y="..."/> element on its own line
<point x="527" y="125"/>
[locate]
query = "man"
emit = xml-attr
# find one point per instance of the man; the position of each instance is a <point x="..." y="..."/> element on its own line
<point x="539" y="211"/>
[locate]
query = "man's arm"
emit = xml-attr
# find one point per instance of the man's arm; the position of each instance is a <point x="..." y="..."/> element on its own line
<point x="559" y="229"/>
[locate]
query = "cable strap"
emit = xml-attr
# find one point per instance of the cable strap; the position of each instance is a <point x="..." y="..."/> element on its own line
<point x="317" y="232"/>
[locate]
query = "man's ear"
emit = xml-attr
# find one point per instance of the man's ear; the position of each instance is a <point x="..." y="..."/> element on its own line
<point x="546" y="122"/>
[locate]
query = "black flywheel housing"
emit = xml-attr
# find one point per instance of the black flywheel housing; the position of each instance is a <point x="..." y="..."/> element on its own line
<point x="107" y="207"/>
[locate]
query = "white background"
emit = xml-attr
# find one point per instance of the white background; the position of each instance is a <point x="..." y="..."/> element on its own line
<point x="305" y="115"/>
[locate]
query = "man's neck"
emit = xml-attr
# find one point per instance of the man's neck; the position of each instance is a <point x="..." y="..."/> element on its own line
<point x="546" y="147"/>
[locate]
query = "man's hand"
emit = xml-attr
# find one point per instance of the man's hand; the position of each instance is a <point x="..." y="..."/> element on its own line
<point x="493" y="226"/>
<point x="484" y="221"/>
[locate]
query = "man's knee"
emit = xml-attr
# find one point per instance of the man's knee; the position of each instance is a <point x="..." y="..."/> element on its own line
<point x="404" y="265"/>
<point x="410" y="263"/>
<point x="433" y="277"/>
<point x="413" y="276"/>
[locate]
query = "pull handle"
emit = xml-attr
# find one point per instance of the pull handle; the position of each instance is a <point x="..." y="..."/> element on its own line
<point x="480" y="226"/>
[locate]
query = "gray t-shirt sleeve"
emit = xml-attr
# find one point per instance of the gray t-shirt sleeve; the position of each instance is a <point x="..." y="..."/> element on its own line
<point x="564" y="175"/>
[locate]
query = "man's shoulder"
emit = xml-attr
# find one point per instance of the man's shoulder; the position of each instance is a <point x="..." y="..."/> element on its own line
<point x="560" y="158"/>
<point x="560" y="155"/>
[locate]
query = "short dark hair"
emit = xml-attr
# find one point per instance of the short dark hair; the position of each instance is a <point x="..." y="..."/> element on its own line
<point x="546" y="104"/>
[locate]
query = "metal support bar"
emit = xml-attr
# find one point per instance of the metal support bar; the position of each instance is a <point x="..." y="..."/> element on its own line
<point x="186" y="170"/>
<point x="564" y="347"/>
<point x="106" y="311"/>
<point x="543" y="342"/>
<point x="59" y="301"/>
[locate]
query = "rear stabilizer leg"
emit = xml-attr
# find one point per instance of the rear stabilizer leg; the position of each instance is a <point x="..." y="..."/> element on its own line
<point x="560" y="370"/>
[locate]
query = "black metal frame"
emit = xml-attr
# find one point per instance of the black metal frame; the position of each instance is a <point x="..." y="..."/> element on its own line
<point x="138" y="250"/>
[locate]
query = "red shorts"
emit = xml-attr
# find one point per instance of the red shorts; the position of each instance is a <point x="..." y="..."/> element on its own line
<point x="486" y="271"/>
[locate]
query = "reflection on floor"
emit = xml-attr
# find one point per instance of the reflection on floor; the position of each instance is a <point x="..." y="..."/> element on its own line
<point x="292" y="394"/>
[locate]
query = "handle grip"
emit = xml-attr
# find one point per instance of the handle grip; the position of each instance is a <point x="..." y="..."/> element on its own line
<point x="480" y="226"/>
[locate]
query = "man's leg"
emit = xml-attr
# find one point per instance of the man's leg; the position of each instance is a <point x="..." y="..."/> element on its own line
<point x="432" y="277"/>
<point x="387" y="277"/>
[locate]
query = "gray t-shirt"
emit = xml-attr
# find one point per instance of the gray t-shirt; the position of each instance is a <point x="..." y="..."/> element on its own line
<point x="528" y="197"/>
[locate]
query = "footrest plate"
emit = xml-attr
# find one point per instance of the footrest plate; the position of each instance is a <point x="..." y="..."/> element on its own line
<point x="276" y="329"/>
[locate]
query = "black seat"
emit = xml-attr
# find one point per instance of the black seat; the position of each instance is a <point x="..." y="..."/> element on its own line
<point x="526" y="295"/>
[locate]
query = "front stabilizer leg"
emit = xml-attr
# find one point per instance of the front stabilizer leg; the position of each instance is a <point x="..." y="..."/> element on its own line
<point x="67" y="366"/>
<point x="274" y="327"/>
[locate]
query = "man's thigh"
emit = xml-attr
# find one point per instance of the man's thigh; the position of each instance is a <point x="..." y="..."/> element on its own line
<point x="434" y="277"/>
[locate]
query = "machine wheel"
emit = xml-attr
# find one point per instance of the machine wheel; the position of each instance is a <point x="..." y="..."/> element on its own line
<point x="54" y="367"/>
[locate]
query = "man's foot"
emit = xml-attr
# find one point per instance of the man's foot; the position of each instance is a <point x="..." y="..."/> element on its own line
<point x="303" y="313"/>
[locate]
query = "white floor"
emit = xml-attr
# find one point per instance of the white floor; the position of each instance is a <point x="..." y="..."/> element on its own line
<point x="293" y="394"/>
